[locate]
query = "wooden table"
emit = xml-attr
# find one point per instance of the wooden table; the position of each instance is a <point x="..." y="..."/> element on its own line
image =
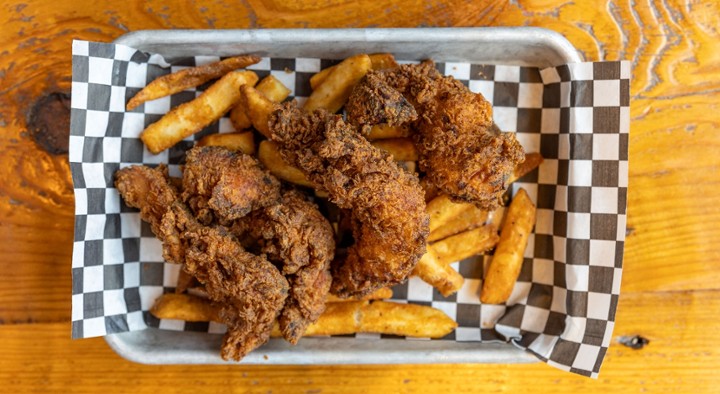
<point x="671" y="285"/>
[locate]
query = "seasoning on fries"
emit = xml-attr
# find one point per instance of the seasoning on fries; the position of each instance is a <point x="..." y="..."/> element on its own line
<point x="189" y="78"/>
<point x="189" y="118"/>
<point x="507" y="260"/>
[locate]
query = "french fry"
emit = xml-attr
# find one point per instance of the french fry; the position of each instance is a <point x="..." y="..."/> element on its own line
<point x="271" y="88"/>
<point x="189" y="78"/>
<point x="467" y="219"/>
<point x="339" y="317"/>
<point x="379" y="294"/>
<point x="466" y="244"/>
<point x="185" y="307"/>
<point x="379" y="61"/>
<point x="189" y="118"/>
<point x="507" y="260"/>
<point x="243" y="142"/>
<point x="384" y="131"/>
<point x="408" y="166"/>
<point x="437" y="274"/>
<point x="532" y="161"/>
<point x="335" y="90"/>
<point x="269" y="155"/>
<point x="442" y="210"/>
<point x="405" y="319"/>
<point x="258" y="108"/>
<point x="401" y="149"/>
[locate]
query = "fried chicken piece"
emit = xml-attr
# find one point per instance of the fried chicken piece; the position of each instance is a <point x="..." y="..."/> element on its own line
<point x="250" y="288"/>
<point x="459" y="150"/>
<point x="229" y="184"/>
<point x="390" y="225"/>
<point x="295" y="234"/>
<point x="374" y="102"/>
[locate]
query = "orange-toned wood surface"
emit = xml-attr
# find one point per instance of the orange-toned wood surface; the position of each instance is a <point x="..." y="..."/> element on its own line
<point x="670" y="291"/>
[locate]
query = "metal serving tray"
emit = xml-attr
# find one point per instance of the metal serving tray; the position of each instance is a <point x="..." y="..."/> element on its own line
<point x="511" y="46"/>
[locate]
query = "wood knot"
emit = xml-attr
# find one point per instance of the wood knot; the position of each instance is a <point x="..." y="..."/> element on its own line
<point x="634" y="342"/>
<point x="49" y="122"/>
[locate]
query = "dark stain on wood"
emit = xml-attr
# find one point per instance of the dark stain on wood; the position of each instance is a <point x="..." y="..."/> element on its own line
<point x="49" y="122"/>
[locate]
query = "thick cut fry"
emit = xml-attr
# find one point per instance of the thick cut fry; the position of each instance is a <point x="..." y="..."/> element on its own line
<point x="379" y="61"/>
<point x="508" y="258"/>
<point x="379" y="294"/>
<point x="189" y="78"/>
<point x="269" y="155"/>
<point x="437" y="274"/>
<point x="335" y="90"/>
<point x="339" y="317"/>
<point x="405" y="319"/>
<point x="384" y="131"/>
<point x="442" y="210"/>
<point x="189" y="118"/>
<point x="243" y="142"/>
<point x="258" y="108"/>
<point x="467" y="219"/>
<point x="532" y="161"/>
<point x="401" y="149"/>
<point x="185" y="307"/>
<point x="466" y="244"/>
<point x="271" y="88"/>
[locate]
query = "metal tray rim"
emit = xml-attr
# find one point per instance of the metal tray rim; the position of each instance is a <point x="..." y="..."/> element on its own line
<point x="155" y="346"/>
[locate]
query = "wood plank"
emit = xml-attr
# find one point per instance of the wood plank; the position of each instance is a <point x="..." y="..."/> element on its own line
<point x="681" y="354"/>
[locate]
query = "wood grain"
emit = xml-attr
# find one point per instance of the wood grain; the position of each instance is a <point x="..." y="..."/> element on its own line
<point x="679" y="352"/>
<point x="672" y="258"/>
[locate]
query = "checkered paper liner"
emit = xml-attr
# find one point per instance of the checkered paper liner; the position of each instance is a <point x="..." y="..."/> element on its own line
<point x="563" y="306"/>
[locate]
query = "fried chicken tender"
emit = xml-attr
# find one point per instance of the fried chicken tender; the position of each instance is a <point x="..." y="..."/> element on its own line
<point x="290" y="230"/>
<point x="390" y="225"/>
<point x="294" y="234"/>
<point x="231" y="185"/>
<point x="460" y="151"/>
<point x="250" y="288"/>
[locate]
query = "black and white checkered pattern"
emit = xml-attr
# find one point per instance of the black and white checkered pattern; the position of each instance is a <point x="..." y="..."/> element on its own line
<point x="562" y="308"/>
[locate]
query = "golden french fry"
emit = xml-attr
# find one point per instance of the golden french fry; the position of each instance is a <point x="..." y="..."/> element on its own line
<point x="466" y="244"/>
<point x="185" y="307"/>
<point x="339" y="317"/>
<point x="189" y="78"/>
<point x="532" y="161"/>
<point x="335" y="90"/>
<point x="318" y="78"/>
<point x="269" y="155"/>
<point x="405" y="319"/>
<point x="379" y="294"/>
<point x="467" y="219"/>
<point x="189" y="118"/>
<point x="408" y="166"/>
<point x="442" y="210"/>
<point x="508" y="258"/>
<point x="271" y="88"/>
<point x="384" y="131"/>
<point x="243" y="142"/>
<point x="379" y="61"/>
<point x="184" y="282"/>
<point x="258" y="108"/>
<point x="401" y="149"/>
<point x="437" y="274"/>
